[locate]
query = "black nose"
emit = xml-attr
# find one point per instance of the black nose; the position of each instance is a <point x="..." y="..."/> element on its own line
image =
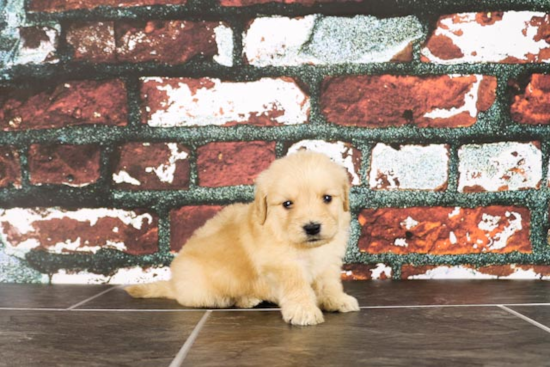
<point x="312" y="228"/>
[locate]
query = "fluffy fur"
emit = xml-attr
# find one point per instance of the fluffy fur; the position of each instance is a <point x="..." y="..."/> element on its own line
<point x="261" y="251"/>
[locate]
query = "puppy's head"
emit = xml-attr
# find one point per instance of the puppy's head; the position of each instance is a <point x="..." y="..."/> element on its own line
<point x="302" y="199"/>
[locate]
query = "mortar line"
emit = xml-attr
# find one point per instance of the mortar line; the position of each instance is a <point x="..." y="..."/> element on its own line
<point x="245" y="72"/>
<point x="314" y="85"/>
<point x="539" y="225"/>
<point x="238" y="28"/>
<point x="180" y="357"/>
<point x="192" y="158"/>
<point x="164" y="230"/>
<point x="528" y="319"/>
<point x="24" y="166"/>
<point x="92" y="298"/>
<point x="453" y="172"/>
<point x="545" y="155"/>
<point x="133" y="101"/>
<point x="366" y="149"/>
<point x="106" y="154"/>
<point x="209" y="8"/>
<point x="212" y="133"/>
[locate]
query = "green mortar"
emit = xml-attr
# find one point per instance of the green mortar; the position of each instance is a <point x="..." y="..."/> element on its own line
<point x="492" y="126"/>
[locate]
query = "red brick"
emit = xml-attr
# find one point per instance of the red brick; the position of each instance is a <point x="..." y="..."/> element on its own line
<point x="151" y="166"/>
<point x="10" y="169"/>
<point x="366" y="271"/>
<point x="511" y="271"/>
<point x="233" y="163"/>
<point x="92" y="41"/>
<point x="470" y="38"/>
<point x="239" y="3"/>
<point x="65" y="5"/>
<point x="165" y="41"/>
<point x="531" y="105"/>
<point x="72" y="103"/>
<point x="186" y="220"/>
<point x="443" y="230"/>
<point x="170" y="42"/>
<point x="84" y="230"/>
<point x="387" y="100"/>
<point x="72" y="165"/>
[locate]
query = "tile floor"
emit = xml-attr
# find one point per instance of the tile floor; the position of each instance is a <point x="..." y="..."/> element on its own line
<point x="407" y="323"/>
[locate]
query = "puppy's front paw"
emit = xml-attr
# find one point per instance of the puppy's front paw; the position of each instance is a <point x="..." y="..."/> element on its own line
<point x="340" y="303"/>
<point x="302" y="315"/>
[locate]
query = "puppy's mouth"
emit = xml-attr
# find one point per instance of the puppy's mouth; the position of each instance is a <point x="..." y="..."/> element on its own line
<point x="316" y="241"/>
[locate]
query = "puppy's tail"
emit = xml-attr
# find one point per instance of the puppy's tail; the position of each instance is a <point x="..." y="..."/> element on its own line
<point x="162" y="289"/>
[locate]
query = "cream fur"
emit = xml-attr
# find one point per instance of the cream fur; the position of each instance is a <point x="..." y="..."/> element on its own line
<point x="256" y="252"/>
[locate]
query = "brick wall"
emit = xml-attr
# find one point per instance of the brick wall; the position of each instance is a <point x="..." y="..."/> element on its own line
<point x="125" y="125"/>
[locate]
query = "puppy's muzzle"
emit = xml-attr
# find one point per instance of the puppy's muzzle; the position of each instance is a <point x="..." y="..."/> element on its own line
<point x="312" y="229"/>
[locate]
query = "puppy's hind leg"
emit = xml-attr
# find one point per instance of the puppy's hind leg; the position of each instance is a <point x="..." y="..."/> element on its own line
<point x="162" y="289"/>
<point x="193" y="296"/>
<point x="195" y="285"/>
<point x="247" y="302"/>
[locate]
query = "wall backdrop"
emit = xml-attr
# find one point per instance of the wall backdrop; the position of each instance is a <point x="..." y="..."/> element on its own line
<point x="126" y="124"/>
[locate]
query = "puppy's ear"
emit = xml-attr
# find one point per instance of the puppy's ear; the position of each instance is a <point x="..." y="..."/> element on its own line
<point x="345" y="198"/>
<point x="259" y="210"/>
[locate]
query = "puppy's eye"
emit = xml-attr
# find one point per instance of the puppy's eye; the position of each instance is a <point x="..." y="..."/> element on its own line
<point x="287" y="204"/>
<point x="327" y="198"/>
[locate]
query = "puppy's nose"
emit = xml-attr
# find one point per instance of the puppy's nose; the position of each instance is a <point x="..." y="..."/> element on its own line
<point x="312" y="228"/>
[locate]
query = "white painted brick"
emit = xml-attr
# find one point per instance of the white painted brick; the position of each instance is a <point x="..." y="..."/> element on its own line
<point x="514" y="37"/>
<point x="224" y="41"/>
<point x="216" y="102"/>
<point x="43" y="53"/>
<point x="412" y="167"/>
<point x="318" y="40"/>
<point x="466" y="272"/>
<point x="132" y="275"/>
<point x="452" y="272"/>
<point x="499" y="166"/>
<point x="19" y="224"/>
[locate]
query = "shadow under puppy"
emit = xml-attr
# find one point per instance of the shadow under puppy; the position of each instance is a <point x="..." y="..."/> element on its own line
<point x="285" y="247"/>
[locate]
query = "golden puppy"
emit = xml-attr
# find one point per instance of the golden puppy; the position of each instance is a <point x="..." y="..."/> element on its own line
<point x="286" y="247"/>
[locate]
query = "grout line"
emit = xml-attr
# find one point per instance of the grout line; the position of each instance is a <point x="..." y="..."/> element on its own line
<point x="178" y="360"/>
<point x="246" y="309"/>
<point x="32" y="309"/>
<point x="525" y="304"/>
<point x="91" y="298"/>
<point x="256" y="309"/>
<point x="139" y="310"/>
<point x="529" y="320"/>
<point x="455" y="305"/>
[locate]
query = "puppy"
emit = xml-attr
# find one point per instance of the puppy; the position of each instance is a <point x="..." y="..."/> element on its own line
<point x="285" y="247"/>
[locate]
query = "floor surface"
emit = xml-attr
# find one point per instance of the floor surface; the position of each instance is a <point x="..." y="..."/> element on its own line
<point x="401" y="323"/>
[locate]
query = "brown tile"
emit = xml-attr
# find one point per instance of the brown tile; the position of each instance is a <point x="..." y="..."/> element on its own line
<point x="46" y="296"/>
<point x="461" y="336"/>
<point x="93" y="338"/>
